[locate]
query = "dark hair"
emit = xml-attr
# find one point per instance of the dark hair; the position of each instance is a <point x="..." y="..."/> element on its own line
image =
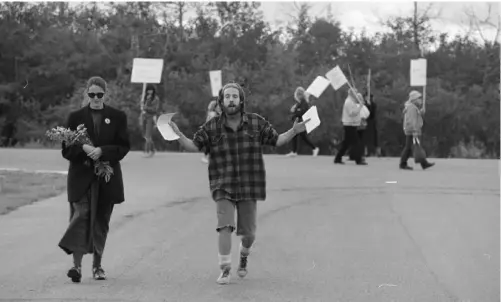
<point x="97" y="81"/>
<point x="152" y="88"/>
<point x="241" y="94"/>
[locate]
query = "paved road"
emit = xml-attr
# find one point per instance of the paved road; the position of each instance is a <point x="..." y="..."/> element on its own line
<point x="326" y="233"/>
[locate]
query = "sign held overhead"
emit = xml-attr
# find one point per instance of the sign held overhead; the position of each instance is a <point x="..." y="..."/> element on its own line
<point x="318" y="86"/>
<point x="216" y="82"/>
<point x="418" y="72"/>
<point x="147" y="70"/>
<point x="336" y="77"/>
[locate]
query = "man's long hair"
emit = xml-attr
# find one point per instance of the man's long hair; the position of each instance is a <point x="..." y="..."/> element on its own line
<point x="241" y="95"/>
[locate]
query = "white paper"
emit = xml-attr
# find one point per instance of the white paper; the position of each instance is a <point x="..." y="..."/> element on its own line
<point x="314" y="122"/>
<point x="318" y="86"/>
<point x="336" y="77"/>
<point x="418" y="72"/>
<point x="164" y="127"/>
<point x="147" y="70"/>
<point x="216" y="81"/>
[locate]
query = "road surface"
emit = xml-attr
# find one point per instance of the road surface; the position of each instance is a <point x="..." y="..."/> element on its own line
<point x="325" y="233"/>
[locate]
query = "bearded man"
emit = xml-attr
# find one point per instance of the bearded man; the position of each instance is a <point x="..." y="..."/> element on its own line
<point x="237" y="175"/>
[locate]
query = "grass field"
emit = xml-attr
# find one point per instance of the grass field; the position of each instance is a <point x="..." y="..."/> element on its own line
<point x="22" y="188"/>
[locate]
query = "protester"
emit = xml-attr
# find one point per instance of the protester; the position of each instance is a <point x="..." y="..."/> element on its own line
<point x="236" y="169"/>
<point x="91" y="198"/>
<point x="150" y="107"/>
<point x="413" y="123"/>
<point x="360" y="133"/>
<point x="301" y="105"/>
<point x="371" y="134"/>
<point x="212" y="111"/>
<point x="351" y="120"/>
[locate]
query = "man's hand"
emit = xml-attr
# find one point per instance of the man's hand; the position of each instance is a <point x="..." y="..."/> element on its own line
<point x="299" y="127"/>
<point x="87" y="148"/>
<point x="185" y="142"/>
<point x="175" y="128"/>
<point x="96" y="153"/>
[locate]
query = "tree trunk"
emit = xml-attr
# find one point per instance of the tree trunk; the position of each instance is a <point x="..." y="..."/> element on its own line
<point x="415" y="26"/>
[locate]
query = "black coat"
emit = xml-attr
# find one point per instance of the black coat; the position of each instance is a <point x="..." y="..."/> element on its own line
<point x="300" y="109"/>
<point x="113" y="140"/>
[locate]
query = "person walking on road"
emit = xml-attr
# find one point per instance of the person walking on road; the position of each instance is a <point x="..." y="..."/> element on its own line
<point x="92" y="199"/>
<point x="236" y="169"/>
<point x="298" y="109"/>
<point x="351" y="120"/>
<point x="413" y="123"/>
<point x="371" y="133"/>
<point x="150" y="107"/>
<point x="212" y="111"/>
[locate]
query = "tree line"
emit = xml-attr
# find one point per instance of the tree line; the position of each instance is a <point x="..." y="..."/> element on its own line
<point x="48" y="51"/>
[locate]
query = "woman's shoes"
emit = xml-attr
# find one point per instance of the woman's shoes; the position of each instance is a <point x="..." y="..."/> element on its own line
<point x="75" y="274"/>
<point x="98" y="273"/>
<point x="427" y="165"/>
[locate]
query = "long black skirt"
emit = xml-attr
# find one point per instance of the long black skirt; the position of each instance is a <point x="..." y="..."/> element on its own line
<point x="89" y="224"/>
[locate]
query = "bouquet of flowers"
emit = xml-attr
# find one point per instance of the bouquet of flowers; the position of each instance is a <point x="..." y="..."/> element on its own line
<point x="70" y="137"/>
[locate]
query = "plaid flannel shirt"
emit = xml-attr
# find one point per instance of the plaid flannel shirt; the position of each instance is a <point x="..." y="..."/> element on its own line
<point x="236" y="165"/>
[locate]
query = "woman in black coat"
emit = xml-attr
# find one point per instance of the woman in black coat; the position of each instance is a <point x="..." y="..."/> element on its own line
<point x="91" y="198"/>
<point x="297" y="111"/>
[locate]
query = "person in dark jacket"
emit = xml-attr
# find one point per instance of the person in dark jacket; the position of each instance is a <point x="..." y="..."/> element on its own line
<point x="297" y="110"/>
<point x="90" y="197"/>
<point x="371" y="133"/>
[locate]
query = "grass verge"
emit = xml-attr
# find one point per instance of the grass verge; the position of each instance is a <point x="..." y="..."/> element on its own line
<point x="22" y="188"/>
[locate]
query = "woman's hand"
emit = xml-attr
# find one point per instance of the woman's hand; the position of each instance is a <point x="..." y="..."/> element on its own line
<point x="87" y="148"/>
<point x="95" y="154"/>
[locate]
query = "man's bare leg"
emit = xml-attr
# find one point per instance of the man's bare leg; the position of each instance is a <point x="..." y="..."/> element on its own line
<point x="226" y="222"/>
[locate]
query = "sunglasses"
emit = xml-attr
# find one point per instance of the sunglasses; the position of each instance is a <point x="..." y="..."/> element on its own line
<point x="99" y="95"/>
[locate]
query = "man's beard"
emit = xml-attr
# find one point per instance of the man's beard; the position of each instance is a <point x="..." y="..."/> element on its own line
<point x="232" y="110"/>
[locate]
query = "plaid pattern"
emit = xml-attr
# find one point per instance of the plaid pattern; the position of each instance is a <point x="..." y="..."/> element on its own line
<point x="236" y="165"/>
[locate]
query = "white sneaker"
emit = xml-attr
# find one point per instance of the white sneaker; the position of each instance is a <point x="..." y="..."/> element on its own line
<point x="315" y="151"/>
<point x="292" y="154"/>
<point x="225" y="276"/>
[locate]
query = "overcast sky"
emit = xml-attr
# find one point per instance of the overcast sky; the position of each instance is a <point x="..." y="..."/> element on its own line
<point x="450" y="16"/>
<point x="358" y="14"/>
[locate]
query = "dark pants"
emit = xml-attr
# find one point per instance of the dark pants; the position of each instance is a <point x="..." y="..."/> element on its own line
<point x="148" y="125"/>
<point x="361" y="145"/>
<point x="371" y="137"/>
<point x="304" y="137"/>
<point x="89" y="224"/>
<point x="351" y="140"/>
<point x="407" y="152"/>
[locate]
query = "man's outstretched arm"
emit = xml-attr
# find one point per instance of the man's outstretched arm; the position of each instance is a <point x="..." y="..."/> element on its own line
<point x="285" y="137"/>
<point x="270" y="136"/>
<point x="201" y="139"/>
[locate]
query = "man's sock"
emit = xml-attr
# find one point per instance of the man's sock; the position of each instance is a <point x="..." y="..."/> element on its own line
<point x="224" y="261"/>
